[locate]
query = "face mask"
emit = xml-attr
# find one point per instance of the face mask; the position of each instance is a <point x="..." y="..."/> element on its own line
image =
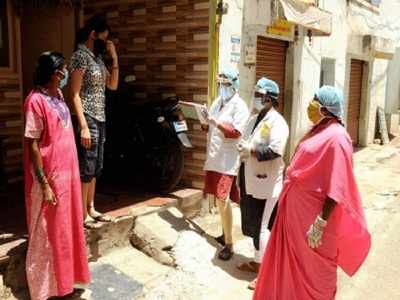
<point x="64" y="81"/>
<point x="314" y="112"/>
<point x="257" y="103"/>
<point x="99" y="46"/>
<point x="226" y="92"/>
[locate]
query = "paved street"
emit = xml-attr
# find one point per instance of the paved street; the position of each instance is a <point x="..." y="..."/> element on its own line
<point x="199" y="275"/>
<point x="379" y="182"/>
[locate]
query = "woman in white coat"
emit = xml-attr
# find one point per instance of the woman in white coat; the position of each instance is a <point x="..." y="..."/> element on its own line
<point x="227" y="118"/>
<point x="261" y="173"/>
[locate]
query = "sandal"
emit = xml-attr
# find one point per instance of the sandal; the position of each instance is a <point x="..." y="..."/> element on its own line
<point x="252" y="285"/>
<point x="226" y="253"/>
<point x="251" y="267"/>
<point x="90" y="224"/>
<point x="221" y="240"/>
<point x="101" y="217"/>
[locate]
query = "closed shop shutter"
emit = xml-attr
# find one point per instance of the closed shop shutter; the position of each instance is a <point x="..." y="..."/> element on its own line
<point x="271" y="63"/>
<point x="355" y="90"/>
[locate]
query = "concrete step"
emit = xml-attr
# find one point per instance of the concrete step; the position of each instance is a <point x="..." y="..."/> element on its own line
<point x="131" y="225"/>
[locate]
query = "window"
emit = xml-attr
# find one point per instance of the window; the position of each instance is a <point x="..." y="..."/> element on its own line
<point x="327" y="76"/>
<point x="4" y="38"/>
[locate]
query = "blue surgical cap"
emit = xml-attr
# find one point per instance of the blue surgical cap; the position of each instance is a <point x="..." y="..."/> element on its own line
<point x="267" y="86"/>
<point x="332" y="99"/>
<point x="232" y="75"/>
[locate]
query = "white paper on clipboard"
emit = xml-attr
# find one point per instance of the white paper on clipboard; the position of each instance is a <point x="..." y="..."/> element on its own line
<point x="200" y="110"/>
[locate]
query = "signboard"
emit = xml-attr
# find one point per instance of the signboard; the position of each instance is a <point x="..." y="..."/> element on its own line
<point x="282" y="28"/>
<point x="250" y="55"/>
<point x="235" y="51"/>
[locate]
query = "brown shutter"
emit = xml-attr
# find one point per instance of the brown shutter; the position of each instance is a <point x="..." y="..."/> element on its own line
<point x="271" y="63"/>
<point x="353" y="115"/>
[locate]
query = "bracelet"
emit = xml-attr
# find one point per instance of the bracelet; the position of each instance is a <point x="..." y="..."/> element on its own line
<point x="321" y="222"/>
<point x="115" y="68"/>
<point x="40" y="175"/>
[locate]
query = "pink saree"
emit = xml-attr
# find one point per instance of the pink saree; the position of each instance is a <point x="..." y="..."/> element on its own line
<point x="291" y="270"/>
<point x="56" y="258"/>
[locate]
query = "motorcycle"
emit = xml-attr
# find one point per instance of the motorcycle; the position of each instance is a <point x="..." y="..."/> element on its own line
<point x="146" y="142"/>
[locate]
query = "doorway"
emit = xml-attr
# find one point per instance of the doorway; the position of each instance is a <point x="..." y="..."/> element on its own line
<point x="355" y="98"/>
<point x="53" y="29"/>
<point x="271" y="63"/>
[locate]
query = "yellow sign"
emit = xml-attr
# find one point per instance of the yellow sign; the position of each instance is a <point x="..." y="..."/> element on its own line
<point x="265" y="130"/>
<point x="281" y="27"/>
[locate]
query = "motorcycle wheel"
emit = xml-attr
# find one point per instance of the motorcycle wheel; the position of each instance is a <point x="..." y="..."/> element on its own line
<point x="167" y="168"/>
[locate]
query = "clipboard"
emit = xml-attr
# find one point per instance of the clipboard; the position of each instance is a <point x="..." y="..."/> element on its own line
<point x="195" y="111"/>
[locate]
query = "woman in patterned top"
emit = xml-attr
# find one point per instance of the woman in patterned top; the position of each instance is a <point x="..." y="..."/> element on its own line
<point x="56" y="260"/>
<point x="89" y="79"/>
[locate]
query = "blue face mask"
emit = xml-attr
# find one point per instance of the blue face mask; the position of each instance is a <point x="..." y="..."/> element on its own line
<point x="64" y="81"/>
<point x="226" y="92"/>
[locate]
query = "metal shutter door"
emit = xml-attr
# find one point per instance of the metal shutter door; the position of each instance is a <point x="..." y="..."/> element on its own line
<point x="271" y="63"/>
<point x="355" y="90"/>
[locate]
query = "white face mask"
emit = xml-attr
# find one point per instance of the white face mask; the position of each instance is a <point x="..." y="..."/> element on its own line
<point x="226" y="92"/>
<point x="257" y="103"/>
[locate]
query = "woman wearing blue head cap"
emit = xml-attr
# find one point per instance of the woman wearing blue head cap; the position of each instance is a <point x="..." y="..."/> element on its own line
<point x="226" y="121"/>
<point x="320" y="222"/>
<point x="261" y="174"/>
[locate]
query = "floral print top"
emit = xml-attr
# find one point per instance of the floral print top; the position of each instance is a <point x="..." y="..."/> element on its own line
<point x="94" y="81"/>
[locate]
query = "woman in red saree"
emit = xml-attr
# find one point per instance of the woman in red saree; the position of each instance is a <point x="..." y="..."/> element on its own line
<point x="56" y="260"/>
<point x="320" y="223"/>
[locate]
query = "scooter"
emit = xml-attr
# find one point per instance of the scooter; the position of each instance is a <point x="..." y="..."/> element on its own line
<point x="146" y="142"/>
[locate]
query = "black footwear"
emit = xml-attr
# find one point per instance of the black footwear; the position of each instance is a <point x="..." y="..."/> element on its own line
<point x="221" y="240"/>
<point x="225" y="254"/>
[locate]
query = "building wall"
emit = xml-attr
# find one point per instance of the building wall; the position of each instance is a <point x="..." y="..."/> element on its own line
<point x="165" y="45"/>
<point x="11" y="122"/>
<point x="230" y="35"/>
<point x="350" y="22"/>
<point x="393" y="84"/>
<point x="256" y="16"/>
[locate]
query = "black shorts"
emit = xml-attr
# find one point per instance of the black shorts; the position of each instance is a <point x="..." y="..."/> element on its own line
<point x="91" y="160"/>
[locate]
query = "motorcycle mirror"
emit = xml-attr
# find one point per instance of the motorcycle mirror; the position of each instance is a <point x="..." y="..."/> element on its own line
<point x="130" y="78"/>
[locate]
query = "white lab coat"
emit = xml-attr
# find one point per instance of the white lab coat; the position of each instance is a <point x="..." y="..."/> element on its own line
<point x="264" y="179"/>
<point x="222" y="153"/>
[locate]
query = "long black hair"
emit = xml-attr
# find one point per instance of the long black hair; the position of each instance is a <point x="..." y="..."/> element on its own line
<point x="47" y="64"/>
<point x="98" y="23"/>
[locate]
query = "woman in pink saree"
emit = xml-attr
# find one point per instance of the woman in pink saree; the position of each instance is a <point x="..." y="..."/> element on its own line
<point x="320" y="223"/>
<point x="56" y="260"/>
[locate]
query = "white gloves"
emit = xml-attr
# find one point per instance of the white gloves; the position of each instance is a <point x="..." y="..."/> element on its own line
<point x="314" y="234"/>
<point x="244" y="149"/>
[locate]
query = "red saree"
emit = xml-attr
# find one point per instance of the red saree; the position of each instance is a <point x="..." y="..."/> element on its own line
<point x="291" y="270"/>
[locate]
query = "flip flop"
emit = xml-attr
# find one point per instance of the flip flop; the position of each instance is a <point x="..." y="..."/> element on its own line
<point x="90" y="224"/>
<point x="248" y="267"/>
<point x="101" y="218"/>
<point x="252" y="285"/>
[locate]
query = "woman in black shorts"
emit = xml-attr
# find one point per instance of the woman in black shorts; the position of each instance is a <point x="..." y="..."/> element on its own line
<point x="89" y="79"/>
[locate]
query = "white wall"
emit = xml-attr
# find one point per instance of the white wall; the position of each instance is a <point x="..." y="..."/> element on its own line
<point x="231" y="27"/>
<point x="393" y="84"/>
<point x="256" y="16"/>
